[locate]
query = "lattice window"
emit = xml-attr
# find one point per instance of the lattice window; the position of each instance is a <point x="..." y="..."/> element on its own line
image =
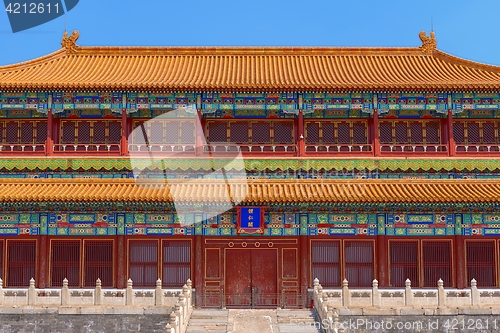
<point x="481" y="263"/>
<point x="359" y="133"/>
<point x="326" y="262"/>
<point x="188" y="132"/>
<point x="283" y="132"/>
<point x="459" y="132"/>
<point x="27" y="132"/>
<point x="261" y="133"/>
<point x="99" y="132"/>
<point x="115" y="132"/>
<point x="343" y="133"/>
<point x="489" y="133"/>
<point x="385" y="132"/>
<point x="41" y="132"/>
<point x="328" y="133"/>
<point x="312" y="133"/>
<point x="139" y="134"/>
<point x="65" y="263"/>
<point x="68" y="132"/>
<point x="98" y="263"/>
<point x="176" y="263"/>
<point x="239" y="132"/>
<point x="12" y="133"/>
<point x="359" y="263"/>
<point x="143" y="263"/>
<point x="432" y="132"/>
<point x="403" y="263"/>
<point x="473" y="133"/>
<point x="156" y="132"/>
<point x="217" y="132"/>
<point x="401" y="131"/>
<point x="84" y="131"/>
<point x="436" y="263"/>
<point x="21" y="261"/>
<point x="2" y="131"/>
<point x="416" y="131"/>
<point x="1" y="261"/>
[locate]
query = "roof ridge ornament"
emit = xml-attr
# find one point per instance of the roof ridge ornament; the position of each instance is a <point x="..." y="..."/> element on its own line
<point x="429" y="44"/>
<point x="69" y="43"/>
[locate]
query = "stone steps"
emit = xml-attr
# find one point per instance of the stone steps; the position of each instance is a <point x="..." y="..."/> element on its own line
<point x="297" y="321"/>
<point x="214" y="321"/>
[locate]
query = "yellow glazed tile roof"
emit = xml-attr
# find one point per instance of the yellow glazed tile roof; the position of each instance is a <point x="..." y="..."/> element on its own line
<point x="255" y="191"/>
<point x="249" y="69"/>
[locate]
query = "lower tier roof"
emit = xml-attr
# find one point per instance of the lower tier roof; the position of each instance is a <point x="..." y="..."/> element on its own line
<point x="251" y="191"/>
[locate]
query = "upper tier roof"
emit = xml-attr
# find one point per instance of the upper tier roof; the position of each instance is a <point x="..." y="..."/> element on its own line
<point x="249" y="69"/>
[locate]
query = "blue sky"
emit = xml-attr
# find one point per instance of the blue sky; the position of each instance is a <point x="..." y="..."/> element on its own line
<point x="468" y="29"/>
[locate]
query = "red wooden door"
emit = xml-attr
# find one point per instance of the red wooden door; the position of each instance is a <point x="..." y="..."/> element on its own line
<point x="251" y="278"/>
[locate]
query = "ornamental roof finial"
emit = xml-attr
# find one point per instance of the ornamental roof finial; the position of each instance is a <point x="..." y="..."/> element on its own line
<point x="69" y="43"/>
<point x="429" y="44"/>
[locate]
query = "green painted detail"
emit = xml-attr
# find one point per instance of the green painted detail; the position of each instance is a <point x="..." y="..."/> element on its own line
<point x="34" y="164"/>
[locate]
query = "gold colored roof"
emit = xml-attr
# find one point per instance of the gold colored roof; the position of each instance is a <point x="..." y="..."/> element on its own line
<point x="249" y="69"/>
<point x="255" y="191"/>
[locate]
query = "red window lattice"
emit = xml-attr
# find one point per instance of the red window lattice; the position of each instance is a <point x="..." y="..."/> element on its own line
<point x="176" y="263"/>
<point x="115" y="132"/>
<point x="326" y="262"/>
<point x="99" y="132"/>
<point x="459" y="132"/>
<point x="239" y="132"/>
<point x="68" y="132"/>
<point x="11" y="135"/>
<point x="1" y="261"/>
<point x="21" y="260"/>
<point x="473" y="133"/>
<point x="416" y="132"/>
<point x="283" y="132"/>
<point x="84" y="131"/>
<point x="143" y="265"/>
<point x="328" y="133"/>
<point x="489" y="133"/>
<point x="27" y="132"/>
<point x="343" y="133"/>
<point x="432" y="132"/>
<point x="385" y="132"/>
<point x="401" y="131"/>
<point x="481" y="263"/>
<point x="65" y="263"/>
<point x="41" y="132"/>
<point x="359" y="263"/>
<point x="403" y="263"/>
<point x="436" y="263"/>
<point x="98" y="263"/>
<point x="156" y="134"/>
<point x="312" y="133"/>
<point x="217" y="132"/>
<point x="188" y="132"/>
<point x="261" y="132"/>
<point x="359" y="132"/>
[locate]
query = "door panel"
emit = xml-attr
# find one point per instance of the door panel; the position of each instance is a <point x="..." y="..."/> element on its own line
<point x="238" y="278"/>
<point x="264" y="275"/>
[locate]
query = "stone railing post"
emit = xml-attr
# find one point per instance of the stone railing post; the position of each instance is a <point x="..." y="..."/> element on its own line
<point x="65" y="293"/>
<point x="1" y="291"/>
<point x="345" y="293"/>
<point x="408" y="293"/>
<point x="129" y="293"/>
<point x="189" y="285"/>
<point x="474" y="293"/>
<point x="98" y="292"/>
<point x="178" y="313"/>
<point x="441" y="294"/>
<point x="32" y="293"/>
<point x="174" y="322"/>
<point x="187" y="295"/>
<point x="375" y="293"/>
<point x="158" y="293"/>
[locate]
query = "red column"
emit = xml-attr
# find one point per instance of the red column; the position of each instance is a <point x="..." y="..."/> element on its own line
<point x="382" y="261"/>
<point x="121" y="263"/>
<point x="304" y="267"/>
<point x="200" y="134"/>
<point x="124" y="141"/>
<point x="198" y="268"/>
<point x="49" y="143"/>
<point x="460" y="269"/>
<point x="376" y="139"/>
<point x="451" y="139"/>
<point x="43" y="262"/>
<point x="301" y="145"/>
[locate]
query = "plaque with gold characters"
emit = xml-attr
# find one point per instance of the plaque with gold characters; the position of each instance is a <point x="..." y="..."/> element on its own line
<point x="250" y="220"/>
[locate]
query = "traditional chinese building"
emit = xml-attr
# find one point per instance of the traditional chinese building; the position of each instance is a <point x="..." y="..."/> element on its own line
<point x="362" y="164"/>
